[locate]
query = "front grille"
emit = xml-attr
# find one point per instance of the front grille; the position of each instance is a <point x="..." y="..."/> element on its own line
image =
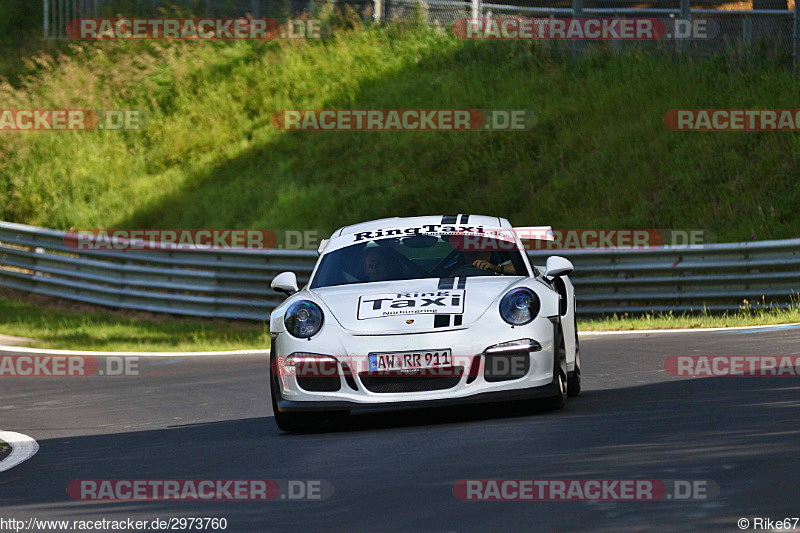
<point x="319" y="384"/>
<point x="389" y="382"/>
<point x="505" y="367"/>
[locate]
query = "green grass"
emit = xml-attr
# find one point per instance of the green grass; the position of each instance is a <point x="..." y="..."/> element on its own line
<point x="688" y="321"/>
<point x="58" y="329"/>
<point x="21" y="38"/>
<point x="599" y="157"/>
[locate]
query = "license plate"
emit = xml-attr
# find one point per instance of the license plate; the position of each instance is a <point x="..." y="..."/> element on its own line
<point x="418" y="360"/>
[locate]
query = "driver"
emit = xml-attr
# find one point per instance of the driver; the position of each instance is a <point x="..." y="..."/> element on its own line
<point x="379" y="266"/>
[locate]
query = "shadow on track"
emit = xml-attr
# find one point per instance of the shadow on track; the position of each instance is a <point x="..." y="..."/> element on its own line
<point x="740" y="432"/>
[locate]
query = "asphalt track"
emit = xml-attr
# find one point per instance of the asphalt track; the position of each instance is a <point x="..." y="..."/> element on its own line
<point x="210" y="417"/>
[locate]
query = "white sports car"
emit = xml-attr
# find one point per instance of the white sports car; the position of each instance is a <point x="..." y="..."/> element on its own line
<point x="422" y="311"/>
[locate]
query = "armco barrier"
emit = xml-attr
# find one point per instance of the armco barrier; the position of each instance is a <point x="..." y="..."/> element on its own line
<point x="235" y="284"/>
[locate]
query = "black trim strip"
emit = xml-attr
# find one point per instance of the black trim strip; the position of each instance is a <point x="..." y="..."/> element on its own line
<point x="289" y="406"/>
<point x="449" y="219"/>
<point x="461" y="284"/>
<point x="441" y="321"/>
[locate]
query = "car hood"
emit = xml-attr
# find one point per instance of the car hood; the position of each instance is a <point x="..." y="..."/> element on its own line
<point x="413" y="306"/>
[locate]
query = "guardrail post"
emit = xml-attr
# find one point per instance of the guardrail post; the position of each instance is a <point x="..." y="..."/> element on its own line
<point x="377" y="6"/>
<point x="686" y="14"/>
<point x="577" y="12"/>
<point x="46" y="8"/>
<point x="795" y="36"/>
<point x="747" y="30"/>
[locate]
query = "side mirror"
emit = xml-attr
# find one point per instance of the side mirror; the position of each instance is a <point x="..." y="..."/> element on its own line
<point x="558" y="266"/>
<point x="322" y="244"/>
<point x="285" y="282"/>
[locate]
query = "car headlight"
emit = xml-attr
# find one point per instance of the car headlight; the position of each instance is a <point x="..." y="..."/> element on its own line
<point x="519" y="306"/>
<point x="303" y="319"/>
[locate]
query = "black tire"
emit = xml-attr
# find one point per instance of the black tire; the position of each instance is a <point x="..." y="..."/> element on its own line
<point x="299" y="422"/>
<point x="574" y="377"/>
<point x="560" y="379"/>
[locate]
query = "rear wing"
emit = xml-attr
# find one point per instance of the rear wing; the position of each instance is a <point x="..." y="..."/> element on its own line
<point x="539" y="233"/>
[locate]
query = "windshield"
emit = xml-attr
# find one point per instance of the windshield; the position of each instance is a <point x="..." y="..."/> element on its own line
<point x="417" y="257"/>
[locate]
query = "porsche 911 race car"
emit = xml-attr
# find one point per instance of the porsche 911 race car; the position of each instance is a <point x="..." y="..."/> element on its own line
<point x="423" y="311"/>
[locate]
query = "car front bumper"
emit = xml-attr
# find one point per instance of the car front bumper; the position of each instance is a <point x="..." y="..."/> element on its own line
<point x="471" y="387"/>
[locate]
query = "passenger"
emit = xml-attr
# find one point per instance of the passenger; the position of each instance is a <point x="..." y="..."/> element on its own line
<point x="482" y="259"/>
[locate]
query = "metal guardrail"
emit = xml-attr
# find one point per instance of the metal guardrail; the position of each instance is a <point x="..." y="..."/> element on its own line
<point x="224" y="284"/>
<point x="235" y="284"/>
<point x="715" y="277"/>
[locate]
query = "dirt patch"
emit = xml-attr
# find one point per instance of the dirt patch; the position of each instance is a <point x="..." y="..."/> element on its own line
<point x="8" y="340"/>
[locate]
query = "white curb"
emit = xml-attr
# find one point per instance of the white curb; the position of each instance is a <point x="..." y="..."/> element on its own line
<point x="685" y="330"/>
<point x="22" y="448"/>
<point x="22" y="349"/>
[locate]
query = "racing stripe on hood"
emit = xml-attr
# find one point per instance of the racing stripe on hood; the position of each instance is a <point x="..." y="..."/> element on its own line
<point x="442" y="320"/>
<point x="446" y="283"/>
<point x="462" y="284"/>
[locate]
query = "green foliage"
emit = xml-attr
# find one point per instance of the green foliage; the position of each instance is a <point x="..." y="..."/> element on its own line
<point x="57" y="329"/>
<point x="600" y="155"/>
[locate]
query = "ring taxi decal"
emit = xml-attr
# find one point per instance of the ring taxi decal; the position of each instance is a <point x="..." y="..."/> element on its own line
<point x="411" y="303"/>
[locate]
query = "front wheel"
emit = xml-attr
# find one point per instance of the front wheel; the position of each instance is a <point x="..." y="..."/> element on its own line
<point x="298" y="422"/>
<point x="574" y="377"/>
<point x="560" y="379"/>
